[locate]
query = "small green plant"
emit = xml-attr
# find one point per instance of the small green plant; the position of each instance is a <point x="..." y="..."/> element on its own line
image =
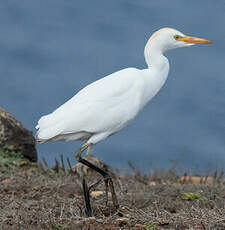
<point x="150" y="227"/>
<point x="62" y="227"/>
<point x="11" y="161"/>
<point x="8" y="158"/>
<point x="193" y="196"/>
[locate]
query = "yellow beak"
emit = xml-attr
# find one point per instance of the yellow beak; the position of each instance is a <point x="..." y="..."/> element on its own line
<point x="194" y="40"/>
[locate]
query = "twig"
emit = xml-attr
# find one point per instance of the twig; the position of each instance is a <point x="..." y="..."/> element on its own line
<point x="45" y="162"/>
<point x="41" y="167"/>
<point x="56" y="165"/>
<point x="62" y="161"/>
<point x="69" y="164"/>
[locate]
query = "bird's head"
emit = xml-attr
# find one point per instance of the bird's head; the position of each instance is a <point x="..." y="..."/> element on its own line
<point x="168" y="38"/>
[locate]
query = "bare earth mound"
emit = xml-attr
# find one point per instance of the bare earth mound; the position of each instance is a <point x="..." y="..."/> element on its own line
<point x="33" y="198"/>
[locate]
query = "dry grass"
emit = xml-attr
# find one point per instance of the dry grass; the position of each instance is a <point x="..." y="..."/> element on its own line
<point x="33" y="198"/>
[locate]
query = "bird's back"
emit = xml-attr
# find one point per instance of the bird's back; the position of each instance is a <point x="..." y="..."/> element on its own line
<point x="105" y="106"/>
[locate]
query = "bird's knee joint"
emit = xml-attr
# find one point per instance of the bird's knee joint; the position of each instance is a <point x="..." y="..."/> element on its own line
<point x="78" y="157"/>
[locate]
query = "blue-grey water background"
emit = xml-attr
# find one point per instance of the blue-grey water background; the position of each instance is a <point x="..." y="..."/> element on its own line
<point x="51" y="49"/>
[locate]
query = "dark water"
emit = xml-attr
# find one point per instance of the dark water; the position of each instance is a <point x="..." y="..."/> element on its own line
<point x="51" y="49"/>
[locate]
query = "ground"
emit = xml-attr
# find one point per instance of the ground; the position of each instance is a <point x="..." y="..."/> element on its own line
<point x="32" y="197"/>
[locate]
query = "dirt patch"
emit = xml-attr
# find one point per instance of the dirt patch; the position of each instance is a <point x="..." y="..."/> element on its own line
<point x="33" y="198"/>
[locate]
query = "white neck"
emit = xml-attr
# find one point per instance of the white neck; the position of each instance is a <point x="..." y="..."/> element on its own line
<point x="156" y="61"/>
<point x="154" y="56"/>
<point x="157" y="72"/>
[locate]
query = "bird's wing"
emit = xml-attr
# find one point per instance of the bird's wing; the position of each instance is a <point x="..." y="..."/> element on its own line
<point x="106" y="104"/>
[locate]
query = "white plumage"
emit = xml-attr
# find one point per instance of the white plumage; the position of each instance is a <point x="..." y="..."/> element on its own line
<point x="109" y="104"/>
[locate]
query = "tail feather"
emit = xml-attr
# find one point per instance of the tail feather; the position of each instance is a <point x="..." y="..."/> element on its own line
<point x="48" y="127"/>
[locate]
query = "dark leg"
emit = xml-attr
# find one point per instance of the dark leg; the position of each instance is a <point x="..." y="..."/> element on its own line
<point x="93" y="186"/>
<point x="106" y="191"/>
<point x="86" y="196"/>
<point x="106" y="176"/>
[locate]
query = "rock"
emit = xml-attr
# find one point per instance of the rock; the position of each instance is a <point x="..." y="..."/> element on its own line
<point x="90" y="220"/>
<point x="152" y="183"/>
<point x="6" y="181"/>
<point x="95" y="194"/>
<point x="122" y="221"/>
<point x="14" y="137"/>
<point x="141" y="226"/>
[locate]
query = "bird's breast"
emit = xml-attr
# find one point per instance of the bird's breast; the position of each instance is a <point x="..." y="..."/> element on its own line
<point x="153" y="82"/>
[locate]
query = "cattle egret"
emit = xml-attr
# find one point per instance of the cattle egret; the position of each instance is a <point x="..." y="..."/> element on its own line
<point x="106" y="106"/>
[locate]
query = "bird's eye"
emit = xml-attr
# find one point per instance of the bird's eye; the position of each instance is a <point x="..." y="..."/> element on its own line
<point x="176" y="37"/>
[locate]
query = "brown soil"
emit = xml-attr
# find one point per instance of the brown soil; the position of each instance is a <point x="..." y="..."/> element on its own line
<point x="33" y="198"/>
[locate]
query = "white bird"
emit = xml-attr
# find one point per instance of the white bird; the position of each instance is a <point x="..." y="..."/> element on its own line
<point x="106" y="106"/>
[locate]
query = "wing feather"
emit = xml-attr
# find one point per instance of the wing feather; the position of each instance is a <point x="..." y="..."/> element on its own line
<point x="99" y="106"/>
